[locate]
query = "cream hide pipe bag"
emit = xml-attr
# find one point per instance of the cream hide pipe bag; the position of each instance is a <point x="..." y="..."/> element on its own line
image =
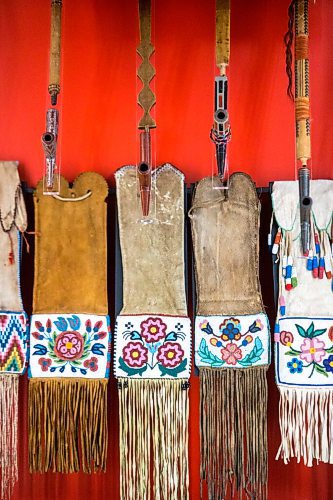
<point x="304" y="324"/>
<point x="152" y="356"/>
<point x="232" y="341"/>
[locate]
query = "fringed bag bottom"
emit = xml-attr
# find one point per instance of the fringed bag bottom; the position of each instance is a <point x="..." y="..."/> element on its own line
<point x="67" y="425"/>
<point x="8" y="433"/>
<point x="234" y="431"/>
<point x="153" y="424"/>
<point x="306" y="423"/>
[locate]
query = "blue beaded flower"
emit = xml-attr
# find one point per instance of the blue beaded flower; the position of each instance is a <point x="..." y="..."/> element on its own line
<point x="328" y="364"/>
<point x="230" y="329"/>
<point x="295" y="365"/>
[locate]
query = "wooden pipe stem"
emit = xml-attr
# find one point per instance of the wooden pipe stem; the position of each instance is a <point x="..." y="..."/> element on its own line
<point x="55" y="50"/>
<point x="144" y="171"/>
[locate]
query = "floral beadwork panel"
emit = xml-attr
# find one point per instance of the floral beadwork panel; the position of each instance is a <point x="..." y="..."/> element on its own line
<point x="151" y="346"/>
<point x="304" y="352"/>
<point x="13" y="342"/>
<point x="232" y="341"/>
<point x="69" y="345"/>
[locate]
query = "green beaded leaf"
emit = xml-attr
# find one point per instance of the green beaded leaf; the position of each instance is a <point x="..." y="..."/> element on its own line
<point x="254" y="356"/>
<point x="206" y="356"/>
<point x="173" y="372"/>
<point x="131" y="371"/>
<point x="301" y="331"/>
<point x="320" y="369"/>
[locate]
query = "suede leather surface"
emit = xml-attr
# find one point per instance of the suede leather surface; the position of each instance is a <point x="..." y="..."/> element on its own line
<point x="13" y="219"/>
<point x="12" y="206"/>
<point x="225" y="234"/>
<point x="152" y="254"/>
<point x="10" y="295"/>
<point x="71" y="254"/>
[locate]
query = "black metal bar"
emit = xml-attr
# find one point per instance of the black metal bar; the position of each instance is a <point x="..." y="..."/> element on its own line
<point x="112" y="190"/>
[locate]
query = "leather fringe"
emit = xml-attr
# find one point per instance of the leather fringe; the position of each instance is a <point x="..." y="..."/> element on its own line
<point x="306" y="425"/>
<point x="8" y="433"/>
<point x="67" y="425"/>
<point x="234" y="431"/>
<point x="153" y="427"/>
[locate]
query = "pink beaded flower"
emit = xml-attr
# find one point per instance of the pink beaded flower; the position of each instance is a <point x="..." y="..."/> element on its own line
<point x="170" y="354"/>
<point x="312" y="350"/>
<point x="91" y="364"/>
<point x="153" y="329"/>
<point x="69" y="345"/>
<point x="135" y="354"/>
<point x="45" y="363"/>
<point x="231" y="353"/>
<point x="286" y="338"/>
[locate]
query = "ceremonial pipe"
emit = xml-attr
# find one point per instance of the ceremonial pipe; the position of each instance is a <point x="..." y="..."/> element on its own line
<point x="147" y="100"/>
<point x="55" y="50"/>
<point x="302" y="116"/>
<point x="50" y="137"/>
<point x="49" y="143"/>
<point x="220" y="133"/>
<point x="144" y="171"/>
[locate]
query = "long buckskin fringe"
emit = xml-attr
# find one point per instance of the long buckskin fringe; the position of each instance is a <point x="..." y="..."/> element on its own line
<point x="234" y="431"/>
<point x="306" y="425"/>
<point x="153" y="424"/>
<point x="67" y="425"/>
<point x="8" y="433"/>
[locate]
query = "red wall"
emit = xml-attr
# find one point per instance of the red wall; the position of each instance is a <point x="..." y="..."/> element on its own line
<point x="98" y="132"/>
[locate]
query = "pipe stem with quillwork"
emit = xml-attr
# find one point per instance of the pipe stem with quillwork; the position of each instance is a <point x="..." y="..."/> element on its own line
<point x="302" y="116"/>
